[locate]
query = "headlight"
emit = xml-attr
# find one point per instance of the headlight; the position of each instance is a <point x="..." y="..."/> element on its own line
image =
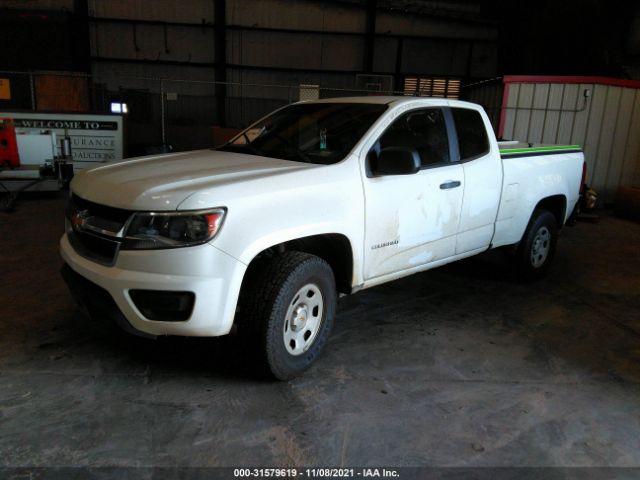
<point x="150" y="230"/>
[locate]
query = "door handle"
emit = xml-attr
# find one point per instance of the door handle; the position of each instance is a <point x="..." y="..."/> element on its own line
<point x="449" y="184"/>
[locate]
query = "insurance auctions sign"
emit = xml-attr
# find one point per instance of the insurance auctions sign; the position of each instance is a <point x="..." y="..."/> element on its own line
<point x="94" y="138"/>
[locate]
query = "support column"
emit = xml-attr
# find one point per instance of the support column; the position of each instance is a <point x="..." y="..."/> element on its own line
<point x="398" y="77"/>
<point x="80" y="36"/>
<point x="220" y="45"/>
<point x="370" y="36"/>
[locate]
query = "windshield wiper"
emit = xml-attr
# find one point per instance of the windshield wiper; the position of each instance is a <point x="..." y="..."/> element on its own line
<point x="242" y="146"/>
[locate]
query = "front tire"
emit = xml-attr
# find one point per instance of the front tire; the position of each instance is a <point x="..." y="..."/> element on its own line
<point x="288" y="307"/>
<point x="538" y="246"/>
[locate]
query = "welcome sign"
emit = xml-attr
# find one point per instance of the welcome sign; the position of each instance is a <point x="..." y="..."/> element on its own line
<point x="94" y="138"/>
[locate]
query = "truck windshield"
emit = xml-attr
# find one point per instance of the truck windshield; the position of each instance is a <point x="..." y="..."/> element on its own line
<point x="322" y="133"/>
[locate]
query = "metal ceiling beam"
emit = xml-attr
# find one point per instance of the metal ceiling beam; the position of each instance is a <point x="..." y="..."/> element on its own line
<point x="414" y="10"/>
<point x="247" y="28"/>
<point x="212" y="65"/>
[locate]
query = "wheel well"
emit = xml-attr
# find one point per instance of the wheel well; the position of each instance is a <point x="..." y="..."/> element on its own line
<point x="557" y="205"/>
<point x="333" y="248"/>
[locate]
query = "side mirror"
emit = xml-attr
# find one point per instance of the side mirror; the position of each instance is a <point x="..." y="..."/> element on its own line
<point x="398" y="161"/>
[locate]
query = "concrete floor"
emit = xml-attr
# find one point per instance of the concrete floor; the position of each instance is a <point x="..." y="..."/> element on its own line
<point x="460" y="366"/>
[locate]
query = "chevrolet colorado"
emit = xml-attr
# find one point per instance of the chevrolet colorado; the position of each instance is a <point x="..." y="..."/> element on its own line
<point x="315" y="200"/>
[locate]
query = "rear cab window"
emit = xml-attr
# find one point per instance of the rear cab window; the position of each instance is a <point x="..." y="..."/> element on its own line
<point x="473" y="141"/>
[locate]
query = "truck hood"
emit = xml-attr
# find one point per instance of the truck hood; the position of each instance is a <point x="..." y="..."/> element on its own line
<point x="163" y="182"/>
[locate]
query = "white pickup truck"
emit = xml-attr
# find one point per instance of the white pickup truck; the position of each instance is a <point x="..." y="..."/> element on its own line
<point x="317" y="199"/>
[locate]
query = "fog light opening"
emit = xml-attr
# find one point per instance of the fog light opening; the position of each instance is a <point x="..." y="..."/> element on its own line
<point x="164" y="306"/>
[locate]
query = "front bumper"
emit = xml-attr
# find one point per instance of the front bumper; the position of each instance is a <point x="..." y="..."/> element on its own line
<point x="213" y="276"/>
<point x="96" y="301"/>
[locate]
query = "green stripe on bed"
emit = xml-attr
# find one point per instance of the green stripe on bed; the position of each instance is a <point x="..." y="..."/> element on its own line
<point x="510" y="151"/>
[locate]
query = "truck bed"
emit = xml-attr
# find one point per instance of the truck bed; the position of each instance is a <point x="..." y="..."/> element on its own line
<point x="534" y="172"/>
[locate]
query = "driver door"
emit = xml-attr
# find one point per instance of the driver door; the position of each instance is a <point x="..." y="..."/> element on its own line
<point x="412" y="220"/>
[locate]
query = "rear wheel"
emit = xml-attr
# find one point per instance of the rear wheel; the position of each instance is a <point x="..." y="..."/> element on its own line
<point x="287" y="307"/>
<point x="537" y="248"/>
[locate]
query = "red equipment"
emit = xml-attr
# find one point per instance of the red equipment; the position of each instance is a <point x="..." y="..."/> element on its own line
<point x="9" y="156"/>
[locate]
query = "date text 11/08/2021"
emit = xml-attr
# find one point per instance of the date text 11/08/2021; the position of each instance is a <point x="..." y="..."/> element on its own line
<point x="316" y="472"/>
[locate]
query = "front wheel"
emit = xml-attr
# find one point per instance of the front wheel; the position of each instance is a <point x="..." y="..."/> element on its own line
<point x="289" y="305"/>
<point x="538" y="245"/>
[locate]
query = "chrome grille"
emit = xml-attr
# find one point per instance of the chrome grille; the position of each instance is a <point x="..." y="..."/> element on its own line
<point x="95" y="231"/>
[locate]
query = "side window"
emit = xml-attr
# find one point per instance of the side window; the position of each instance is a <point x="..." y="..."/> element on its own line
<point x="425" y="130"/>
<point x="472" y="133"/>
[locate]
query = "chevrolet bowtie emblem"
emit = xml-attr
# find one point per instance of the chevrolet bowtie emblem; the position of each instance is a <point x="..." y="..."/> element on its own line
<point x="79" y="219"/>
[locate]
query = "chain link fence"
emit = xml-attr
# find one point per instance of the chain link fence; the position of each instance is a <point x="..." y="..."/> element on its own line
<point x="163" y="114"/>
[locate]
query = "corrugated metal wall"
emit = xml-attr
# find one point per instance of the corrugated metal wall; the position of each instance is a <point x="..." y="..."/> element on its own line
<point x="606" y="124"/>
<point x="288" y="35"/>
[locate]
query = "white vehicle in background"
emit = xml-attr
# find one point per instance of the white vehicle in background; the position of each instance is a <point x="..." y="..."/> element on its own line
<point x="316" y="199"/>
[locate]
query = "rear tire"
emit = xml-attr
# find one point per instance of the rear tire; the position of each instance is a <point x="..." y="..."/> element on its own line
<point x="537" y="248"/>
<point x="287" y="309"/>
